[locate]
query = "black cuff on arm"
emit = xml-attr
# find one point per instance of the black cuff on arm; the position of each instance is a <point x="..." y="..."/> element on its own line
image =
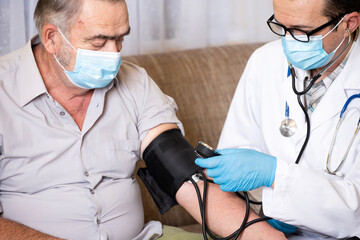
<point x="170" y="161"/>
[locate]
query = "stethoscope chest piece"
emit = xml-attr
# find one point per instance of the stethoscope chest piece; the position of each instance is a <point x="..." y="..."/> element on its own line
<point x="288" y="126"/>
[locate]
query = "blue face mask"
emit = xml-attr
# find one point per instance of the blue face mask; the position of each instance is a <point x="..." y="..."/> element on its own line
<point x="93" y="69"/>
<point x="308" y="55"/>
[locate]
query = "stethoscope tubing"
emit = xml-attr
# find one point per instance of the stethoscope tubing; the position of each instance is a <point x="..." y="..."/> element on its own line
<point x="341" y="118"/>
<point x="317" y="76"/>
<point x="307" y="89"/>
<point x="347" y="104"/>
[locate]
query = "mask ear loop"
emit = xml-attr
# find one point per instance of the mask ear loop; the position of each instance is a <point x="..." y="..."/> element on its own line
<point x="57" y="60"/>
<point x="63" y="36"/>
<point x="342" y="52"/>
<point x="322" y="71"/>
<point x="334" y="27"/>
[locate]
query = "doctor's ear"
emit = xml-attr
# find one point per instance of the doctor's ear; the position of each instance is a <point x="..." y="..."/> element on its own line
<point x="352" y="21"/>
<point x="50" y="36"/>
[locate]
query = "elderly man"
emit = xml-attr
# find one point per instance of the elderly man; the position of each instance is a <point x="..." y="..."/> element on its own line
<point x="310" y="173"/>
<point x="72" y="127"/>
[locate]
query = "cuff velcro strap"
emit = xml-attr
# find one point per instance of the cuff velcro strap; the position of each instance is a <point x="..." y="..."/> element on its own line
<point x="162" y="200"/>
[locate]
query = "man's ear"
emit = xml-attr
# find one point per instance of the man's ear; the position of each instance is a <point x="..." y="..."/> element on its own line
<point x="352" y="22"/>
<point x="50" y="36"/>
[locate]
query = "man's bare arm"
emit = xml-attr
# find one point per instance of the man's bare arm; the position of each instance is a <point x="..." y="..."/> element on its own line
<point x="224" y="211"/>
<point x="10" y="230"/>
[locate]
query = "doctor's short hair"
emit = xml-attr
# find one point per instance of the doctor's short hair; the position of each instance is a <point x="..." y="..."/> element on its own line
<point x="338" y="8"/>
<point x="61" y="13"/>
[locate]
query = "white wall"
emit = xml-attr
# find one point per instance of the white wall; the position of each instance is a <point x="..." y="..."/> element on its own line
<point x="166" y="25"/>
<point x="160" y="25"/>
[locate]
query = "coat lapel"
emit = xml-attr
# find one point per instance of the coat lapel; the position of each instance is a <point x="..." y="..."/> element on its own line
<point x="335" y="97"/>
<point x="330" y="105"/>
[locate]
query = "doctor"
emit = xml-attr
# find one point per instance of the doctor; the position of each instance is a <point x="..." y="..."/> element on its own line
<point x="311" y="186"/>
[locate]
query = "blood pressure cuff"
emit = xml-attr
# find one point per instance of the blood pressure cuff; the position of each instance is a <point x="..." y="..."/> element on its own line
<point x="170" y="161"/>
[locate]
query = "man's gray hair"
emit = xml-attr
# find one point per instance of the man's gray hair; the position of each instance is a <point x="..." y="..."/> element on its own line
<point x="61" y="13"/>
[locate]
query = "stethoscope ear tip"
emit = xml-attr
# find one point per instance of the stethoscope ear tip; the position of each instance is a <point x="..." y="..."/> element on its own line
<point x="339" y="174"/>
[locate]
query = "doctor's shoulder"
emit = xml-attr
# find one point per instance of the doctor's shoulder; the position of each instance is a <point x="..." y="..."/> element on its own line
<point x="270" y="51"/>
<point x="267" y="58"/>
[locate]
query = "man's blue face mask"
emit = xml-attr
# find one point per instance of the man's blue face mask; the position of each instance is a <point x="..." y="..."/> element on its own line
<point x="308" y="55"/>
<point x="93" y="69"/>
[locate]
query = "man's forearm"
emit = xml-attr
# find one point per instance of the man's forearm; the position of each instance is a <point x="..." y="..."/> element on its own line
<point x="224" y="212"/>
<point x="12" y="230"/>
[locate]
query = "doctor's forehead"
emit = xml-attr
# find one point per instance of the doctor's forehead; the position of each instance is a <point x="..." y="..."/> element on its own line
<point x="292" y="13"/>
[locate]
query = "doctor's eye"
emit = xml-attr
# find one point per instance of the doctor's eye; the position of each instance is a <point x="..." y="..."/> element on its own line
<point x="298" y="32"/>
<point x="120" y="40"/>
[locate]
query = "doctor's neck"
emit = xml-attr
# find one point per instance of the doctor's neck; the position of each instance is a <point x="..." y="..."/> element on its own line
<point x="341" y="52"/>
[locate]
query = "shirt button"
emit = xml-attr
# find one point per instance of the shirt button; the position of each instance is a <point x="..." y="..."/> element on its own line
<point x="98" y="221"/>
<point x="92" y="191"/>
<point x="62" y="113"/>
<point x="86" y="174"/>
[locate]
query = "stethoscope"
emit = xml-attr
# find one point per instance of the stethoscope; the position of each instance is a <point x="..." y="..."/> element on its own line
<point x="327" y="169"/>
<point x="288" y="126"/>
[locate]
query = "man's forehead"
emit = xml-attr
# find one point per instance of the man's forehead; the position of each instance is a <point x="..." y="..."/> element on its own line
<point x="103" y="17"/>
<point x="103" y="10"/>
<point x="299" y="12"/>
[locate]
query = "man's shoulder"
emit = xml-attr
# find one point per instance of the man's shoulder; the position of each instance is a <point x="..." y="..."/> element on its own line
<point x="268" y="57"/>
<point x="269" y="50"/>
<point x="10" y="63"/>
<point x="128" y="69"/>
<point x="132" y="75"/>
<point x="19" y="58"/>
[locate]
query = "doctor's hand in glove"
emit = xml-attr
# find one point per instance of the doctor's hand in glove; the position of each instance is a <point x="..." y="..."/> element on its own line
<point x="240" y="169"/>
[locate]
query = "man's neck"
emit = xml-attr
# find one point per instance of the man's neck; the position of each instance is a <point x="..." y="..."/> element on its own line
<point x="53" y="75"/>
<point x="314" y="72"/>
<point x="75" y="100"/>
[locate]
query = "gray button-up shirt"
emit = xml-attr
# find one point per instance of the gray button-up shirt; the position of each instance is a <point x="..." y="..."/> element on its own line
<point x="71" y="183"/>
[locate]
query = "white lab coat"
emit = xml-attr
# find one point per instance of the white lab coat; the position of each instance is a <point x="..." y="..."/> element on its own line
<point x="321" y="205"/>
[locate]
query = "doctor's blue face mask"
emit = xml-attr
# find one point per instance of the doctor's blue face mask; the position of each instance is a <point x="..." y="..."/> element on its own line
<point x="93" y="69"/>
<point x="308" y="55"/>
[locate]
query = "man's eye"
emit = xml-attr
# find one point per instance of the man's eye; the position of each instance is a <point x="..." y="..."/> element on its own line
<point x="98" y="43"/>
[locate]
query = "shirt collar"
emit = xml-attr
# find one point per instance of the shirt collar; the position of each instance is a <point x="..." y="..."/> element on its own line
<point x="31" y="82"/>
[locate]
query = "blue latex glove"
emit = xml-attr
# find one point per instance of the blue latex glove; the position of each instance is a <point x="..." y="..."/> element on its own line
<point x="240" y="169"/>
<point x="283" y="227"/>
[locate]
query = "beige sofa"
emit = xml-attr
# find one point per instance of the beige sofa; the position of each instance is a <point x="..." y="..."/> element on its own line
<point x="202" y="82"/>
